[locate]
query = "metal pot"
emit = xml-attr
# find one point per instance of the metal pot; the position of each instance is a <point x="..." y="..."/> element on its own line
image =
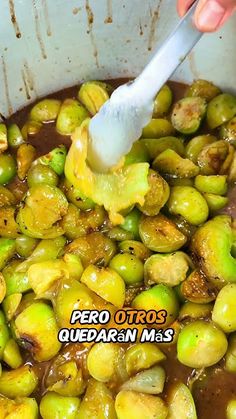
<point x="50" y="44"/>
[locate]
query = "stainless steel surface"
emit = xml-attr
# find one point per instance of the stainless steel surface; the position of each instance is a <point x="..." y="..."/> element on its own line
<point x="46" y="45"/>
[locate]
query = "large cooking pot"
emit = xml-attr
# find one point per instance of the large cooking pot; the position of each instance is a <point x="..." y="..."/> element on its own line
<point x="50" y="44"/>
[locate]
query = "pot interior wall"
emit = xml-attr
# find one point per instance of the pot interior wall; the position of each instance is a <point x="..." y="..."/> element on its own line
<point x="50" y="44"/>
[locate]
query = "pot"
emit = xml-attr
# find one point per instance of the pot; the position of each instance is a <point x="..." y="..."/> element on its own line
<point x="50" y="44"/>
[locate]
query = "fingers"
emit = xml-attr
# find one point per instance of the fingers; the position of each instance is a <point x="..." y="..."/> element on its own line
<point x="227" y="15"/>
<point x="183" y="6"/>
<point x="210" y="15"/>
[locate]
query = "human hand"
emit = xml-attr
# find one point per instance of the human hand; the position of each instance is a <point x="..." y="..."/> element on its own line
<point x="210" y="15"/>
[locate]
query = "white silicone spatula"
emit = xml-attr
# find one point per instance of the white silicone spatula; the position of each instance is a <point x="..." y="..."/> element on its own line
<point x="121" y="119"/>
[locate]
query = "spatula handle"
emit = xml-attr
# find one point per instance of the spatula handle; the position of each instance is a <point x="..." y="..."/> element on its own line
<point x="166" y="59"/>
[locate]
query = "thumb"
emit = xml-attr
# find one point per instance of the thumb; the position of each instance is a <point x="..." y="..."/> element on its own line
<point x="211" y="14"/>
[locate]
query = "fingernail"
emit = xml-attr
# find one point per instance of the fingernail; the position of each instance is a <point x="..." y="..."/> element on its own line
<point x="210" y="15"/>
